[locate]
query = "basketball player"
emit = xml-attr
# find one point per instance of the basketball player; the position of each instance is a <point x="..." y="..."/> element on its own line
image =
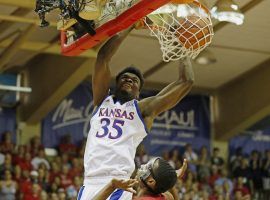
<point x="120" y="121"/>
<point x="155" y="179"/>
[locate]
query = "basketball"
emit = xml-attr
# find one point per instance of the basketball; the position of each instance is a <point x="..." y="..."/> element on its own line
<point x="194" y="32"/>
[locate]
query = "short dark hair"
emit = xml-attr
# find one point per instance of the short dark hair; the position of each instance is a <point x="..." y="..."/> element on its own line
<point x="164" y="175"/>
<point x="133" y="70"/>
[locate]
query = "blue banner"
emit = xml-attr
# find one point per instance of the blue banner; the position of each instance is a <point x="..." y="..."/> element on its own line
<point x="8" y="122"/>
<point x="186" y="123"/>
<point x="251" y="140"/>
<point x="71" y="116"/>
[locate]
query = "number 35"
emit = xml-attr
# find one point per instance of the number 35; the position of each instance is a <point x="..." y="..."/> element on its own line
<point x="117" y="125"/>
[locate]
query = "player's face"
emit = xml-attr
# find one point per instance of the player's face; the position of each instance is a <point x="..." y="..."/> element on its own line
<point x="129" y="83"/>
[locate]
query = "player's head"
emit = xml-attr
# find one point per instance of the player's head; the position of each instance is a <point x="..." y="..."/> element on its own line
<point x="129" y="82"/>
<point x="157" y="176"/>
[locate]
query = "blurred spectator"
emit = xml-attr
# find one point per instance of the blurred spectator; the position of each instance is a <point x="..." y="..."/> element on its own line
<point x="17" y="174"/>
<point x="55" y="171"/>
<point x="216" y="159"/>
<point x="224" y="182"/>
<point x="66" y="180"/>
<point x="76" y="169"/>
<point x="25" y="164"/>
<point x="235" y="160"/>
<point x="34" y="194"/>
<point x="191" y="156"/>
<point x="6" y="146"/>
<point x="203" y="164"/>
<point x="240" y="187"/>
<point x="8" y="187"/>
<point x="43" y="195"/>
<point x="214" y="176"/>
<point x="7" y="165"/>
<point x="73" y="189"/>
<point x="66" y="146"/>
<point x="266" y="175"/>
<point x="40" y="158"/>
<point x="35" y="146"/>
<point x="243" y="171"/>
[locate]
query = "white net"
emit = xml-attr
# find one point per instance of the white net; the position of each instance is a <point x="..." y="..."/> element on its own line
<point x="181" y="29"/>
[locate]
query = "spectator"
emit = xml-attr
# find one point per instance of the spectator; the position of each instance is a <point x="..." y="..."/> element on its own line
<point x="203" y="167"/>
<point x="191" y="156"/>
<point x="216" y="159"/>
<point x="266" y="175"/>
<point x="8" y="187"/>
<point x="6" y="145"/>
<point x="66" y="146"/>
<point x="7" y="165"/>
<point x="35" y="146"/>
<point x="34" y="194"/>
<point x="236" y="159"/>
<point x="214" y="176"/>
<point x="25" y="164"/>
<point x="240" y="187"/>
<point x="40" y="158"/>
<point x="225" y="182"/>
<point x="243" y="171"/>
<point x="43" y="195"/>
<point x="73" y="189"/>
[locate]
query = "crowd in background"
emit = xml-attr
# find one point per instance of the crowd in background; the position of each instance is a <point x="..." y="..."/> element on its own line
<point x="210" y="177"/>
<point x="28" y="173"/>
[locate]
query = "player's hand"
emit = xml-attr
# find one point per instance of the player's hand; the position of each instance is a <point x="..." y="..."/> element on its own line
<point x="126" y="185"/>
<point x="181" y="172"/>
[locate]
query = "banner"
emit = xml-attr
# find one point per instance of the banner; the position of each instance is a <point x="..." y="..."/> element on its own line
<point x="188" y="122"/>
<point x="72" y="116"/>
<point x="251" y="140"/>
<point x="8" y="122"/>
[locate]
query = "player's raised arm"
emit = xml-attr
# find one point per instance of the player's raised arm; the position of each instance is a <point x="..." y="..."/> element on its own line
<point x="102" y="74"/>
<point x="170" y="95"/>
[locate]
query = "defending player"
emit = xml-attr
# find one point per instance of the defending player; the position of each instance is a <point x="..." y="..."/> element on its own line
<point x="155" y="179"/>
<point x="120" y="121"/>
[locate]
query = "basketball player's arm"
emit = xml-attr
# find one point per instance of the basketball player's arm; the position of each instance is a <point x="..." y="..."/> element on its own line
<point x="102" y="74"/>
<point x="180" y="174"/>
<point x="170" y="95"/>
<point x="116" y="184"/>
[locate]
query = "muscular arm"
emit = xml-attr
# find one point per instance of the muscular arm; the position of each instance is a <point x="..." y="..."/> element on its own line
<point x="102" y="74"/>
<point x="170" y="95"/>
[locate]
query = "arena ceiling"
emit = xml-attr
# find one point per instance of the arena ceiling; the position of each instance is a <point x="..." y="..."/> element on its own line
<point x="238" y="81"/>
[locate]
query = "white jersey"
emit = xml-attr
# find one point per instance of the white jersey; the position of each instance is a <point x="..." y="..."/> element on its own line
<point x="116" y="131"/>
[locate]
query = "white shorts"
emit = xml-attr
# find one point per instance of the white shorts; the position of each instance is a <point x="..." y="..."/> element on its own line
<point x="88" y="192"/>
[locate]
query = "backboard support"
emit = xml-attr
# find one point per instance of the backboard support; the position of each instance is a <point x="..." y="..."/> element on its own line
<point x="110" y="28"/>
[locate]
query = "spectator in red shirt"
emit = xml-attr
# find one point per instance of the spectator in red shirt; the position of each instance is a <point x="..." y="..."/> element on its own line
<point x="76" y="169"/>
<point x="34" y="194"/>
<point x="66" y="180"/>
<point x="67" y="146"/>
<point x="25" y="164"/>
<point x="240" y="187"/>
<point x="214" y="176"/>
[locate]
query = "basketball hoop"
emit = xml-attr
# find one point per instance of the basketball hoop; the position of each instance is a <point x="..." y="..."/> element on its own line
<point x="181" y="29"/>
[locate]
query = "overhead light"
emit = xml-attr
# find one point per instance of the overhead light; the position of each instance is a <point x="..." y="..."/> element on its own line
<point x="206" y="57"/>
<point x="227" y="10"/>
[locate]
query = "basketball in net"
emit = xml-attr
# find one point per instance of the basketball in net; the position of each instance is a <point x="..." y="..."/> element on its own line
<point x="194" y="32"/>
<point x="183" y="29"/>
